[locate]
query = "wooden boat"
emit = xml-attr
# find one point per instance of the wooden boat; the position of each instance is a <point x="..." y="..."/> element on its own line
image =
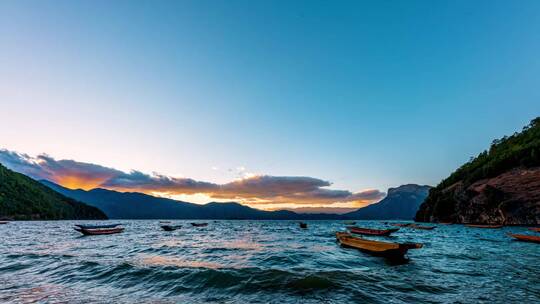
<point x="367" y="231"/>
<point x="98" y="226"/>
<point x="170" y="227"/>
<point x="537" y="229"/>
<point x="385" y="249"/>
<point x="99" y="231"/>
<point x="415" y="226"/>
<point x="485" y="226"/>
<point x="401" y="224"/>
<point x="303" y="225"/>
<point x="199" y="224"/>
<point x="526" y="238"/>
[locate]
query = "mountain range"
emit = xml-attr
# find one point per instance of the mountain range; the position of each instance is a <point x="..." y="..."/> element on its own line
<point x="400" y="203"/>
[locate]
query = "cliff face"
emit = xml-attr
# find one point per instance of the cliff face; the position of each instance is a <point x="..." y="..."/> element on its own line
<point x="511" y="198"/>
<point x="400" y="203"/>
<point x="500" y="186"/>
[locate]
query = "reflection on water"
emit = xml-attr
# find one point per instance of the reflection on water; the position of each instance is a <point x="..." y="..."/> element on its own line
<point x="260" y="262"/>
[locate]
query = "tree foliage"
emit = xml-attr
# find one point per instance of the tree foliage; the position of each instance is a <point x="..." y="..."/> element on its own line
<point x="22" y="198"/>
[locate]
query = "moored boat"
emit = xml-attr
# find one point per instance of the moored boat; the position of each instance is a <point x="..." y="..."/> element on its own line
<point x="368" y="231"/>
<point x="415" y="226"/>
<point x="303" y="225"/>
<point x="537" y="229"/>
<point x="385" y="249"/>
<point x="170" y="227"/>
<point x="484" y="226"/>
<point x="99" y="231"/>
<point x="199" y="224"/>
<point x="526" y="238"/>
<point x="3" y="222"/>
<point x="401" y="224"/>
<point x="98" y="226"/>
<point x="349" y="222"/>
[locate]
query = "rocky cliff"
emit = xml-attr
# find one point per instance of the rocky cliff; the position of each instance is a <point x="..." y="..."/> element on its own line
<point x="500" y="186"/>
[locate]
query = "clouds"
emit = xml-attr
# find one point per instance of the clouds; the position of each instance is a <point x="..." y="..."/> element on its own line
<point x="253" y="189"/>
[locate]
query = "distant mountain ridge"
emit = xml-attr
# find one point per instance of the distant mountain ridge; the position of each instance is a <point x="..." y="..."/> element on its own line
<point x="133" y="205"/>
<point x="22" y="198"/>
<point x="400" y="203"/>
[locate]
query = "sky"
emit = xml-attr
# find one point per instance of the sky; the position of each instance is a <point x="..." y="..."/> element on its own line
<point x="276" y="104"/>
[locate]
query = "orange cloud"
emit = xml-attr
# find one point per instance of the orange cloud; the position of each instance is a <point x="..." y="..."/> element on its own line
<point x="263" y="191"/>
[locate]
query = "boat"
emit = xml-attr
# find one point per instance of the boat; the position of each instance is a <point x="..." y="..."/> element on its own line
<point x="170" y="227"/>
<point x="384" y="249"/>
<point x="303" y="225"/>
<point x="199" y="224"/>
<point x="99" y="231"/>
<point x="349" y="223"/>
<point x="415" y="226"/>
<point x="368" y="231"/>
<point x="3" y="222"/>
<point x="98" y="226"/>
<point x="537" y="229"/>
<point x="485" y="226"/>
<point x="526" y="238"/>
<point x="446" y="223"/>
<point x="401" y="224"/>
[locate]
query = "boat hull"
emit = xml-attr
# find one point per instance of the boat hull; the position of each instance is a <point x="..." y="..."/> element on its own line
<point x="485" y="226"/>
<point x="526" y="238"/>
<point x="99" y="231"/>
<point x="394" y="251"/>
<point x="366" y="231"/>
<point x="199" y="224"/>
<point x="170" y="228"/>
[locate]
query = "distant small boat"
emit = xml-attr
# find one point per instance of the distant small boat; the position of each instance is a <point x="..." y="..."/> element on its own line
<point x="401" y="224"/>
<point x="349" y="223"/>
<point x="385" y="249"/>
<point x="199" y="224"/>
<point x="367" y="231"/>
<point x="535" y="229"/>
<point x="3" y="222"/>
<point x="526" y="238"/>
<point x="415" y="226"/>
<point x="485" y="226"/>
<point x="303" y="225"/>
<point x="98" y="226"/>
<point x="170" y="227"/>
<point x="446" y="223"/>
<point x="99" y="231"/>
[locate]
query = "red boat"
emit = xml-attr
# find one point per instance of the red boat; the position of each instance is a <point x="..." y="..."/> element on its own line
<point x="99" y="231"/>
<point x="401" y="224"/>
<point x="368" y="231"/>
<point x="535" y="229"/>
<point x="526" y="238"/>
<point x="485" y="226"/>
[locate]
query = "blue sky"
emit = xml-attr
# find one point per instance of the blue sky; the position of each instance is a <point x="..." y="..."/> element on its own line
<point x="364" y="94"/>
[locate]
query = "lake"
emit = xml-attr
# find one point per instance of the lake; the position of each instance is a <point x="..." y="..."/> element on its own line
<point x="260" y="262"/>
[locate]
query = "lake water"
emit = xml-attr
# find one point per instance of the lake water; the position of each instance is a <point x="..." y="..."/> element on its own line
<point x="260" y="262"/>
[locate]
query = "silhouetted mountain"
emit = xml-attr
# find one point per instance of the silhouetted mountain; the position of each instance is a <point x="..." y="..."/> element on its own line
<point x="22" y="198"/>
<point x="401" y="203"/>
<point x="132" y="205"/>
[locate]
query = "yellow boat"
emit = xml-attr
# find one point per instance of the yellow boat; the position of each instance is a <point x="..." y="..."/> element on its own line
<point x="385" y="249"/>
